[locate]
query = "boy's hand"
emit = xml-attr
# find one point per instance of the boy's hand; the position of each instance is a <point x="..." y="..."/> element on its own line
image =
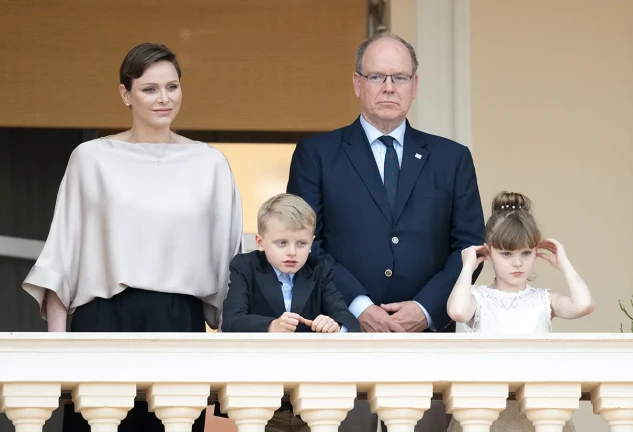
<point x="287" y="323"/>
<point x="323" y="324"/>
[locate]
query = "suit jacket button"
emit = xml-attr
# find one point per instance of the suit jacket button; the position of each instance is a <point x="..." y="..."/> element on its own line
<point x="395" y="240"/>
<point x="388" y="272"/>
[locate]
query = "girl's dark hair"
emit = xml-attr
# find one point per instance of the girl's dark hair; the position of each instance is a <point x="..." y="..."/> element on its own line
<point x="511" y="225"/>
<point x="140" y="58"/>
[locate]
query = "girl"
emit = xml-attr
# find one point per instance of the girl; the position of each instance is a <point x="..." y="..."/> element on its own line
<point x="510" y="305"/>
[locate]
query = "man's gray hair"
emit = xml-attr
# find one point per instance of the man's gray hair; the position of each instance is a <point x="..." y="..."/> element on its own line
<point x="384" y="35"/>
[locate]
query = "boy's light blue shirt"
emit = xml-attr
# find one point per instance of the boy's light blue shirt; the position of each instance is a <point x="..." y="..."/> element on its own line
<point x="287" y="283"/>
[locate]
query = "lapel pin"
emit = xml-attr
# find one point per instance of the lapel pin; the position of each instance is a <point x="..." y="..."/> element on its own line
<point x="418" y="156"/>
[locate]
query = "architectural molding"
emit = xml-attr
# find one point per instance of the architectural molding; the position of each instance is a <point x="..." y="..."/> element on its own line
<point x="439" y="30"/>
<point x="16" y="247"/>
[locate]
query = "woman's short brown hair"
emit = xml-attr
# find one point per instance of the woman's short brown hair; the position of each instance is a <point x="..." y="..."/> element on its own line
<point x="140" y="58"/>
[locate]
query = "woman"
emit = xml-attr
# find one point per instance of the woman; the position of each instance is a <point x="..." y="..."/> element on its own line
<point x="145" y="225"/>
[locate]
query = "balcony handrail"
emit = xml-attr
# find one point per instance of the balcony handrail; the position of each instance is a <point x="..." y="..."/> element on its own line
<point x="361" y="358"/>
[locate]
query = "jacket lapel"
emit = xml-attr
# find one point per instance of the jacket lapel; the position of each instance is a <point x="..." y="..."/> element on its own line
<point x="414" y="157"/>
<point x="360" y="155"/>
<point x="301" y="290"/>
<point x="270" y="286"/>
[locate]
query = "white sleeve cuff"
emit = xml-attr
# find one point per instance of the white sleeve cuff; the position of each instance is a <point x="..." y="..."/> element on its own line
<point x="428" y="317"/>
<point x="359" y="305"/>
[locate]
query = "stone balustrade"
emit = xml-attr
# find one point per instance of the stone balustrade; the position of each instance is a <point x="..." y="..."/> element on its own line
<point x="399" y="374"/>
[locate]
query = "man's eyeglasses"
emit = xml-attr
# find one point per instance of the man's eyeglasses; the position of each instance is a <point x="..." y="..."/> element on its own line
<point x="379" y="79"/>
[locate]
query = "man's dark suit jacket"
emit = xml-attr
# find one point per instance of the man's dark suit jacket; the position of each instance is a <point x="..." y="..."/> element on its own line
<point x="412" y="253"/>
<point x="255" y="298"/>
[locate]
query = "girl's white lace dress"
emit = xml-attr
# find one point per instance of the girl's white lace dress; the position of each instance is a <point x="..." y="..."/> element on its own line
<point x="527" y="311"/>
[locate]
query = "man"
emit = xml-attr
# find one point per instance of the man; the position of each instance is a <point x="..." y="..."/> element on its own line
<point x="395" y="206"/>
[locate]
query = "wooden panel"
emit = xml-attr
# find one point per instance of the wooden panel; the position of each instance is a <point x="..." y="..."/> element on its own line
<point x="247" y="65"/>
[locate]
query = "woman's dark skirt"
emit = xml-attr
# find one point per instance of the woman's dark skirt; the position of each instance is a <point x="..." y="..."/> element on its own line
<point x="136" y="310"/>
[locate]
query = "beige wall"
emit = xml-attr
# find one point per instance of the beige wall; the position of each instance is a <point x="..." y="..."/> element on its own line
<point x="552" y="116"/>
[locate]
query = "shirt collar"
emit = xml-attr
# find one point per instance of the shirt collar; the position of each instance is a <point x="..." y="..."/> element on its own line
<point x="373" y="134"/>
<point x="278" y="273"/>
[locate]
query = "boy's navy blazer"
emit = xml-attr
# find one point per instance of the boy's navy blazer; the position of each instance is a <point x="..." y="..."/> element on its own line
<point x="255" y="298"/>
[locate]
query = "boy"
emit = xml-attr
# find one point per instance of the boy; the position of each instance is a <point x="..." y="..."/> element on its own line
<point x="278" y="289"/>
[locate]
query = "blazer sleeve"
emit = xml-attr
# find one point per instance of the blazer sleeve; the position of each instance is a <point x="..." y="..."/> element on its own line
<point x="333" y="304"/>
<point x="305" y="181"/>
<point x="237" y="303"/>
<point x="467" y="229"/>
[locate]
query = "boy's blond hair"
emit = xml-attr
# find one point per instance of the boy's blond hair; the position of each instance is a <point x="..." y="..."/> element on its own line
<point x="291" y="210"/>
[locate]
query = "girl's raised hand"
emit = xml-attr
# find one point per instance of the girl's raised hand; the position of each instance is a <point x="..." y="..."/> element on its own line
<point x="557" y="256"/>
<point x="473" y="256"/>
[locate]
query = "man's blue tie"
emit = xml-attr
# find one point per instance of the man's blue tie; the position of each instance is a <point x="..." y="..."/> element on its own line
<point x="392" y="170"/>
